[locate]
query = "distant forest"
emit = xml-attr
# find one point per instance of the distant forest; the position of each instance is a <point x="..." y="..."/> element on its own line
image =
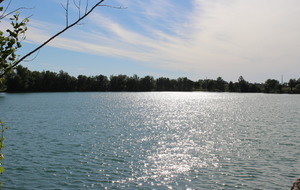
<point x="24" y="80"/>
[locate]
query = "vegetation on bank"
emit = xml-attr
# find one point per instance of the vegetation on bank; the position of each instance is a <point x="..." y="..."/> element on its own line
<point x="24" y="80"/>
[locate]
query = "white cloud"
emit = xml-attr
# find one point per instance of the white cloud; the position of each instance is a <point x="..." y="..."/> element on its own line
<point x="226" y="38"/>
<point x="257" y="32"/>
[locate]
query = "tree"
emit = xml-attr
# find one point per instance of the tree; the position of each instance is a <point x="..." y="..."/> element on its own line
<point x="220" y="84"/>
<point x="49" y="81"/>
<point x="254" y="88"/>
<point x="18" y="81"/>
<point x="118" y="83"/>
<point x="35" y="81"/>
<point x="82" y="84"/>
<point x="65" y="82"/>
<point x="243" y="84"/>
<point x="231" y="87"/>
<point x="165" y="84"/>
<point x="297" y="87"/>
<point x="147" y="83"/>
<point x="184" y="84"/>
<point x="132" y="83"/>
<point x="209" y="84"/>
<point x="101" y="83"/>
<point x="292" y="83"/>
<point x="272" y="85"/>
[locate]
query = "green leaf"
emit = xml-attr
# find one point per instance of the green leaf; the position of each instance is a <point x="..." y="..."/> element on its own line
<point x="1" y="169"/>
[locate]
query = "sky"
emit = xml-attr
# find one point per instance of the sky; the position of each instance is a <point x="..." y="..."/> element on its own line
<point x="198" y="39"/>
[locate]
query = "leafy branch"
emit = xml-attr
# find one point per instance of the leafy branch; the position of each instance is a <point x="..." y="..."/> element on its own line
<point x="2" y="138"/>
<point x="10" y="43"/>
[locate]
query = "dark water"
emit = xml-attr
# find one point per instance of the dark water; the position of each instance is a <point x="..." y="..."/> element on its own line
<point x="151" y="140"/>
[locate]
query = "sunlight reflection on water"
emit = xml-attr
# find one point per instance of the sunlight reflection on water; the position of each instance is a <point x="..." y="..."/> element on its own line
<point x="188" y="134"/>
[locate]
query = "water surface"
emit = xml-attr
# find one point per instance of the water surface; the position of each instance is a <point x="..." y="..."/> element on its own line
<point x="157" y="140"/>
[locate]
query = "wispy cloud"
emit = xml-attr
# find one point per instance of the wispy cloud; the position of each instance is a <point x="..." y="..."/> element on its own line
<point x="226" y="38"/>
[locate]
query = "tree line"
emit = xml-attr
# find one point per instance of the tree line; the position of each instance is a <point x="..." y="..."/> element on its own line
<point x="24" y="80"/>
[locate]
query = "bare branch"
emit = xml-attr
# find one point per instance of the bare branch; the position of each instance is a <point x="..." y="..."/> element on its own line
<point x="120" y="7"/>
<point x="52" y="38"/>
<point x="86" y="6"/>
<point x="37" y="54"/>
<point x="4" y="14"/>
<point x="67" y="12"/>
<point x="7" y="7"/>
<point x="11" y="12"/>
<point x="78" y="6"/>
<point x="63" y="6"/>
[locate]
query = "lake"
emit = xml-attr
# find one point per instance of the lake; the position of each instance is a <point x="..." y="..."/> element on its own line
<point x="151" y="140"/>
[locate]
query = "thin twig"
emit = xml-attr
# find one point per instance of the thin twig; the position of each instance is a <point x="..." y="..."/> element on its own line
<point x="66" y="11"/>
<point x="8" y="5"/>
<point x="120" y="7"/>
<point x="78" y="7"/>
<point x="67" y="14"/>
<point x="86" y="6"/>
<point x="5" y="15"/>
<point x="38" y="52"/>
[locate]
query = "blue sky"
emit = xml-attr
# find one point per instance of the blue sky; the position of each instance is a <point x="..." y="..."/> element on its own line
<point x="198" y="39"/>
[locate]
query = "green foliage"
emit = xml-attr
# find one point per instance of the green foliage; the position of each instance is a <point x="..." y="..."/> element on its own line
<point x="243" y="85"/>
<point x="272" y="85"/>
<point x="10" y="40"/>
<point x="2" y="138"/>
<point x="1" y="169"/>
<point x="298" y="87"/>
<point x="24" y="80"/>
<point x="292" y="83"/>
